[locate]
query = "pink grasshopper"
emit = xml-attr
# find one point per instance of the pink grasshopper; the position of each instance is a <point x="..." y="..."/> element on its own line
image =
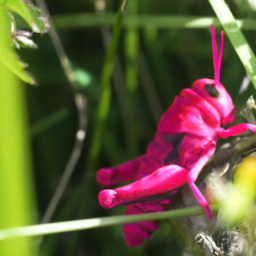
<point x="185" y="140"/>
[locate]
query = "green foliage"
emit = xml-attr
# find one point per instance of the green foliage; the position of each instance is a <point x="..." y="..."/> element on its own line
<point x="21" y="8"/>
<point x="105" y="91"/>
<point x="131" y="80"/>
<point x="38" y="24"/>
<point x="31" y="14"/>
<point x="17" y="205"/>
<point x="240" y="199"/>
<point x="11" y="60"/>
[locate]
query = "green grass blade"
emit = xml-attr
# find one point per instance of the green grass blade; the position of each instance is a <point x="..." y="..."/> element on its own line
<point x="105" y="91"/>
<point x="75" y="225"/>
<point x="49" y="121"/>
<point x="16" y="190"/>
<point x="237" y="39"/>
<point x="131" y="79"/>
<point x="82" y="20"/>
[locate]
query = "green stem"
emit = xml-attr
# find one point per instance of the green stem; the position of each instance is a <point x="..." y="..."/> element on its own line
<point x="74" y="225"/>
<point x="236" y="37"/>
<point x="17" y="205"/>
<point x="82" y="20"/>
<point x="49" y="121"/>
<point x="131" y="79"/>
<point x="105" y="92"/>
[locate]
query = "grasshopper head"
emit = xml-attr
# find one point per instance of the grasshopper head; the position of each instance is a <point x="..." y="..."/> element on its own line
<point x="212" y="90"/>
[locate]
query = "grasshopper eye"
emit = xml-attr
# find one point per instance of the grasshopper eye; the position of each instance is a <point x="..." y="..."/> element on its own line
<point x="212" y="91"/>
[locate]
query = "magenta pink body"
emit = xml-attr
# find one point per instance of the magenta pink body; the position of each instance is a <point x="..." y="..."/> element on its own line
<point x="185" y="132"/>
<point x="185" y="140"/>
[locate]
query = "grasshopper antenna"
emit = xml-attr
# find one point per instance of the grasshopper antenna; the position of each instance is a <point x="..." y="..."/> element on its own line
<point x="217" y="58"/>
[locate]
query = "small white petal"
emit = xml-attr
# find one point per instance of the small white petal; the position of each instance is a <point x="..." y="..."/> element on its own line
<point x="26" y="41"/>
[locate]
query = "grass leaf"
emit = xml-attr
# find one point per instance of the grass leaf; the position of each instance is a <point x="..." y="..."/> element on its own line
<point x="31" y="14"/>
<point x="74" y="225"/>
<point x="12" y="61"/>
<point x="81" y="20"/>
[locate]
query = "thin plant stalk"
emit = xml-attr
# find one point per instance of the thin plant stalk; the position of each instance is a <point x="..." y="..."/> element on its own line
<point x="81" y="104"/>
<point x="105" y="92"/>
<point x="149" y="88"/>
<point x="118" y="77"/>
<point x="49" y="121"/>
<point x="91" y="20"/>
<point x="73" y="159"/>
<point x="64" y="59"/>
<point x="131" y="78"/>
<point x="67" y="226"/>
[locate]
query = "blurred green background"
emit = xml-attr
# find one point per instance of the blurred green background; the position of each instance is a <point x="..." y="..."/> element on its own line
<point x="155" y="64"/>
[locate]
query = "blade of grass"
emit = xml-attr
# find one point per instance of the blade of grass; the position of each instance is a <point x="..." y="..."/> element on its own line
<point x="131" y="77"/>
<point x="237" y="39"/>
<point x="105" y="92"/>
<point x="17" y="205"/>
<point x="49" y="121"/>
<point x="75" y="225"/>
<point x="159" y="66"/>
<point x="118" y="77"/>
<point x="82" y="20"/>
<point x="149" y="89"/>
